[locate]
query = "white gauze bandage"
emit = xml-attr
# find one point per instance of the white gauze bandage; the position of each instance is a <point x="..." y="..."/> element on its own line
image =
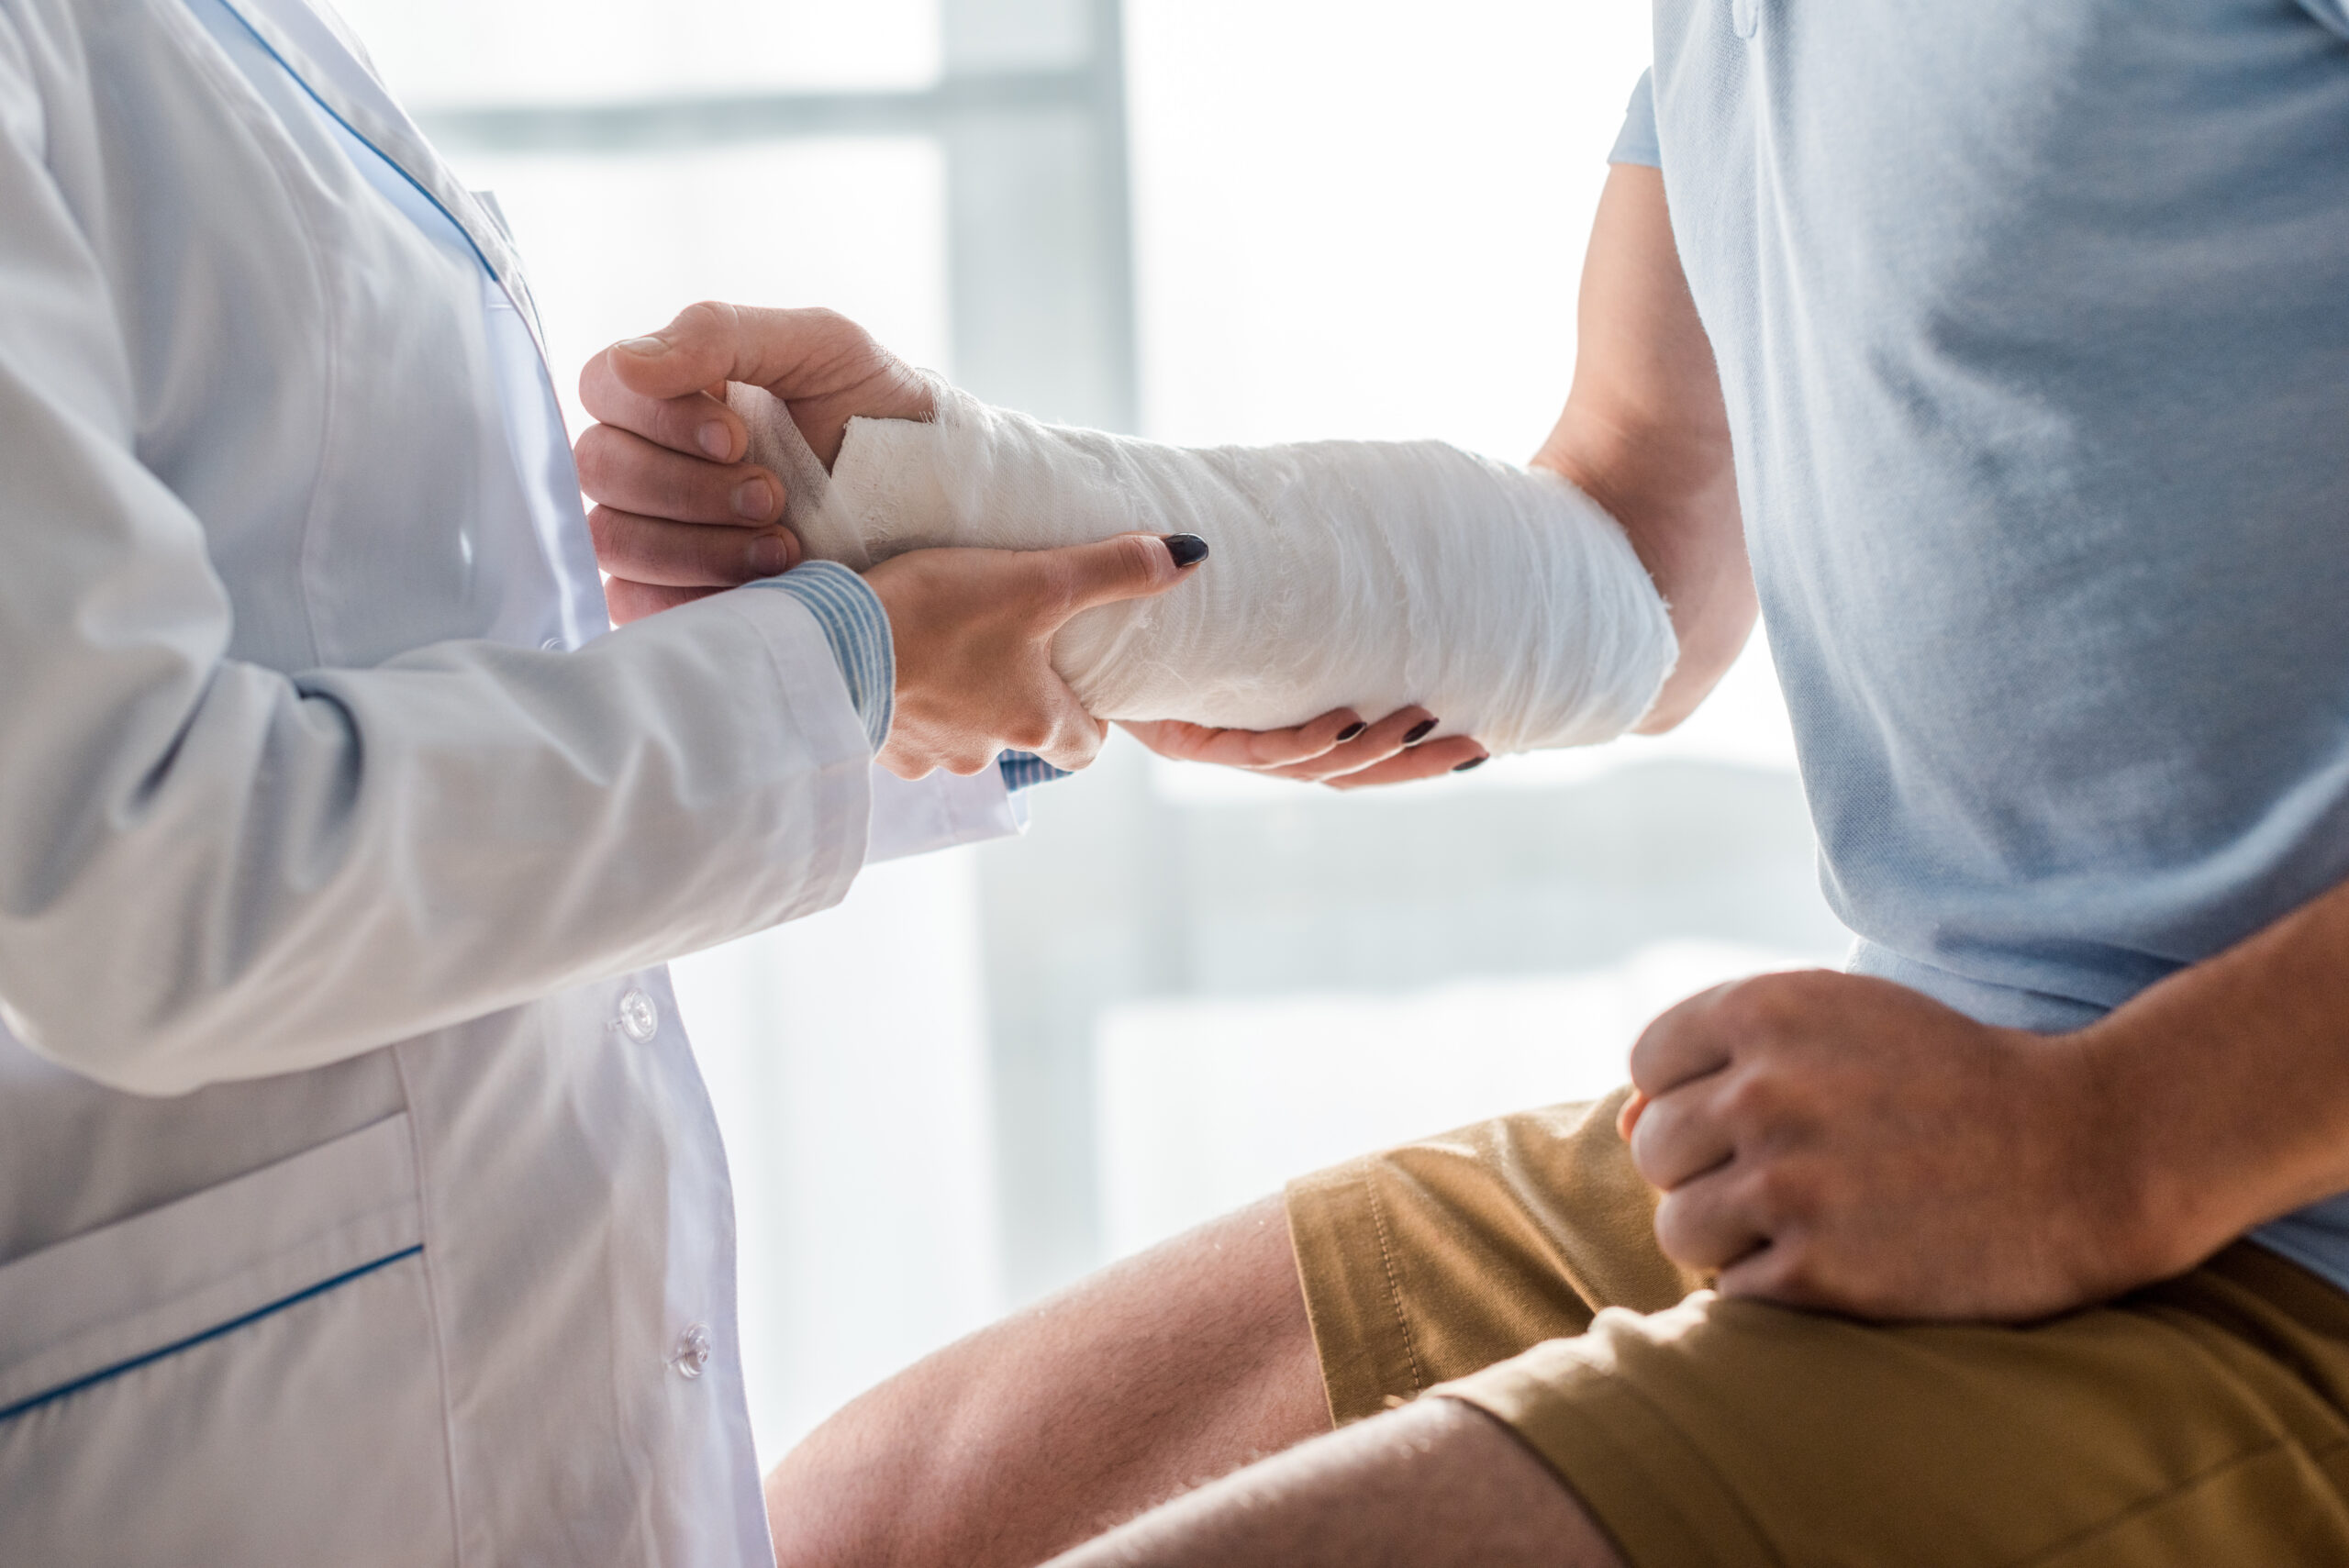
<point x="1344" y="573"/>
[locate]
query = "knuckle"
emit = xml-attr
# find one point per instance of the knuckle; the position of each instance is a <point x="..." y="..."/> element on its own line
<point x="1782" y="1191"/>
<point x="1056" y="585"/>
<point x="705" y="317"/>
<point x="1756" y="1008"/>
<point x="717" y="558"/>
<point x="678" y="490"/>
<point x="1752" y="1097"/>
<point x="1028" y="733"/>
<point x="1776" y="1275"/>
<point x="838" y="338"/>
<point x="1672" y="1224"/>
<point x="1648" y="1052"/>
<point x="1647" y="1144"/>
<point x="1141" y="555"/>
<point x="606" y="528"/>
<point x="595" y="455"/>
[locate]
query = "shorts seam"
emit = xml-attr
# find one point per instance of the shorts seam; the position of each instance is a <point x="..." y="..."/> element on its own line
<point x="2146" y="1505"/>
<point x="1394" y="1285"/>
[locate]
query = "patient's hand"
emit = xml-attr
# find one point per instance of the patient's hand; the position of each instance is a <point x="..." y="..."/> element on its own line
<point x="1838" y="1142"/>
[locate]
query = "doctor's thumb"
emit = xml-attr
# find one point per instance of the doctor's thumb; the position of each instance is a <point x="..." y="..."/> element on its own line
<point x="1130" y="566"/>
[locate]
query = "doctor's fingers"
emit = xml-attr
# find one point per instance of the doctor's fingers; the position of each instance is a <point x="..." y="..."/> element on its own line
<point x="629" y="601"/>
<point x="697" y="422"/>
<point x="667" y="554"/>
<point x="626" y="470"/>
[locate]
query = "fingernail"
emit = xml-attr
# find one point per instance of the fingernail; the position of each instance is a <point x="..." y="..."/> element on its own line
<point x="754" y="500"/>
<point x="1351" y="730"/>
<point x="1420" y="732"/>
<point x="1189" y="549"/>
<point x="716" y="440"/>
<point x="770" y="554"/>
<point x="650" y="347"/>
<point x="1472" y="764"/>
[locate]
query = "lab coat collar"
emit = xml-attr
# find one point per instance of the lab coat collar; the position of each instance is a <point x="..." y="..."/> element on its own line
<point x="333" y="68"/>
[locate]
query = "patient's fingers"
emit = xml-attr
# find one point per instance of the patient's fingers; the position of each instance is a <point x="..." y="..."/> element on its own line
<point x="657" y="553"/>
<point x="1248" y="747"/>
<point x="626" y="470"/>
<point x="1682" y="1135"/>
<point x="697" y="422"/>
<point x="633" y="601"/>
<point x="1713" y="1221"/>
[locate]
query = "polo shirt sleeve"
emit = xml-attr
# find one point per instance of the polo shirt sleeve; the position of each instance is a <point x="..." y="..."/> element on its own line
<point x="1636" y="142"/>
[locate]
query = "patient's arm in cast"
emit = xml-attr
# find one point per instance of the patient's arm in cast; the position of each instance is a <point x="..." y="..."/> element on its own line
<point x="1366" y="576"/>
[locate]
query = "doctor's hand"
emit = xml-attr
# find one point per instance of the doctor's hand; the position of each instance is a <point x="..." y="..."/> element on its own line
<point x="1840" y="1142"/>
<point x="679" y="514"/>
<point x="974" y="633"/>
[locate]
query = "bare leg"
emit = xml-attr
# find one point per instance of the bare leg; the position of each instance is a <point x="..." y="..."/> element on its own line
<point x="1160" y="1374"/>
<point x="1436" y="1484"/>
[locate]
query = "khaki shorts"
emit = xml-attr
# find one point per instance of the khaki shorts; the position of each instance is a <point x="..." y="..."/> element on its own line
<point x="2201" y="1422"/>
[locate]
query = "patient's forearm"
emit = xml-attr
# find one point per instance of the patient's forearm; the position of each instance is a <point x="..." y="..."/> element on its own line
<point x="2231" y="1080"/>
<point x="1645" y="433"/>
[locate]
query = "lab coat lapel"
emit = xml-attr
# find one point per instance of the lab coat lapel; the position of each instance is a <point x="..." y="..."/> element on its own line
<point x="329" y="65"/>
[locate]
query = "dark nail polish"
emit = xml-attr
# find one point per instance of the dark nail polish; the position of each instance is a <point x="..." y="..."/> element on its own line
<point x="1351" y="730"/>
<point x="1471" y="764"/>
<point x="1189" y="549"/>
<point x="1420" y="732"/>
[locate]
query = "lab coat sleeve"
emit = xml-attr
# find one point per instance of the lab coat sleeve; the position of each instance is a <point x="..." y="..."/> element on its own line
<point x="214" y="871"/>
<point x="939" y="812"/>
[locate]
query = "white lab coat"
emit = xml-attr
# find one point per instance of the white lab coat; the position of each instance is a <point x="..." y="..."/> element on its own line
<point x="360" y="1202"/>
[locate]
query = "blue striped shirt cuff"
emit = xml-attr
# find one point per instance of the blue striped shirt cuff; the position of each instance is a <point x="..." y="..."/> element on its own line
<point x="1021" y="769"/>
<point x="858" y="628"/>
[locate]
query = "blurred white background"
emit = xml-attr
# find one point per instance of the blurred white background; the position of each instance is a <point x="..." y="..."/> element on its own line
<point x="1244" y="220"/>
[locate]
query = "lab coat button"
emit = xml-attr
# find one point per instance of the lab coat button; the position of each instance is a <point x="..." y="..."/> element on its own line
<point x="694" y="1351"/>
<point x="639" y="1019"/>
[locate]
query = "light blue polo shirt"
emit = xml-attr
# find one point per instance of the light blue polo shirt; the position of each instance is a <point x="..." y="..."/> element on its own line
<point x="2034" y="320"/>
